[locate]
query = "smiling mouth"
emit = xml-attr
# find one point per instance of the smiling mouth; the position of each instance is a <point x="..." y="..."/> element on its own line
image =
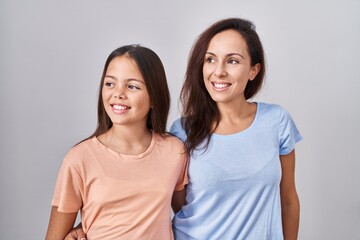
<point x="120" y="107"/>
<point x="221" y="85"/>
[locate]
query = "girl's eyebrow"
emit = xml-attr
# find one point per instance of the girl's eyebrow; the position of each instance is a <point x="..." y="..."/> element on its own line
<point x="136" y="80"/>
<point x="127" y="80"/>
<point x="227" y="55"/>
<point x="112" y="77"/>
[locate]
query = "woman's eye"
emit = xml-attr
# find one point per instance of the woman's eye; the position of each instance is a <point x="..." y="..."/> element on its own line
<point x="233" y="61"/>
<point x="210" y="60"/>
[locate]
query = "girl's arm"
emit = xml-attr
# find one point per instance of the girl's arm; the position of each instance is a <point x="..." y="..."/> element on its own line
<point x="76" y="233"/>
<point x="178" y="200"/>
<point x="60" y="224"/>
<point x="290" y="204"/>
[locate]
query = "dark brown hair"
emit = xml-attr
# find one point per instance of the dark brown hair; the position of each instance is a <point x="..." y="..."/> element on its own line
<point x="199" y="109"/>
<point x="153" y="72"/>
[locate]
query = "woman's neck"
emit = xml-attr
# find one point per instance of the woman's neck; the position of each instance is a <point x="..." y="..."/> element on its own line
<point x="236" y="117"/>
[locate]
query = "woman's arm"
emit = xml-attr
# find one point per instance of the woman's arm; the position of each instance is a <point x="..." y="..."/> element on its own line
<point x="178" y="200"/>
<point x="290" y="204"/>
<point x="60" y="224"/>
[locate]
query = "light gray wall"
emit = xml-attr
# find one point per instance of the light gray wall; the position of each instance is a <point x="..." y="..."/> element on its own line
<point x="52" y="54"/>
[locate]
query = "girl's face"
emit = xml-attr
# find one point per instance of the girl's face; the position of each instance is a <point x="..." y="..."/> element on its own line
<point x="124" y="94"/>
<point x="227" y="67"/>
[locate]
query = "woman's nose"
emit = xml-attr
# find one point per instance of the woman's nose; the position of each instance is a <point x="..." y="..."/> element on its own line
<point x="220" y="70"/>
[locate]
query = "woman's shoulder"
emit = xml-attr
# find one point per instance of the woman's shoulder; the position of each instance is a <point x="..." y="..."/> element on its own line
<point x="178" y="130"/>
<point x="271" y="108"/>
<point x="177" y="123"/>
<point x="271" y="112"/>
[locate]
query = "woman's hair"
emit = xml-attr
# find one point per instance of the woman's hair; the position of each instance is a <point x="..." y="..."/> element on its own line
<point x="153" y="72"/>
<point x="199" y="109"/>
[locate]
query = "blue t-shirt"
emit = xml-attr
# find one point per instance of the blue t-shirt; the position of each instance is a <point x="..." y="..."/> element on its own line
<point x="233" y="191"/>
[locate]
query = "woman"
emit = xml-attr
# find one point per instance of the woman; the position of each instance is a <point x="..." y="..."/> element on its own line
<point x="242" y="153"/>
<point x="123" y="176"/>
<point x="241" y="168"/>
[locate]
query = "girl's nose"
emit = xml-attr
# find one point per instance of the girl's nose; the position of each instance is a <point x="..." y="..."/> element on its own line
<point x="120" y="94"/>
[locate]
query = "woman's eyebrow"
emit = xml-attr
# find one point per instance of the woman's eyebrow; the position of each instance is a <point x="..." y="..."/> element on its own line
<point x="227" y="55"/>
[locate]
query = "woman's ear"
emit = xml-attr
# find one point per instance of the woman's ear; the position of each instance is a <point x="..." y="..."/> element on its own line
<point x="254" y="71"/>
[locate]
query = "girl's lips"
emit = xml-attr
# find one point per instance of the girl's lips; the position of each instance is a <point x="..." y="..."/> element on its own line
<point x="118" y="108"/>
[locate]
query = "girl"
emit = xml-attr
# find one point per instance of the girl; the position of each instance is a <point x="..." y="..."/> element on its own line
<point x="123" y="176"/>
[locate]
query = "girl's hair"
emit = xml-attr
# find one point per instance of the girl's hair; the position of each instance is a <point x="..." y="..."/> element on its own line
<point x="199" y="109"/>
<point x="153" y="72"/>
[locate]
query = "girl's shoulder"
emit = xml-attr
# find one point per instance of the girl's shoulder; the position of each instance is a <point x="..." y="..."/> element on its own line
<point x="168" y="138"/>
<point x="170" y="142"/>
<point x="81" y="149"/>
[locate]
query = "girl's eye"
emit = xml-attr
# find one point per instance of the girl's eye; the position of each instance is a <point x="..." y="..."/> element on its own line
<point x="133" y="87"/>
<point x="109" y="84"/>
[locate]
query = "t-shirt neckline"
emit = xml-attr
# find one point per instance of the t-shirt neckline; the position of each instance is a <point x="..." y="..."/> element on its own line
<point x="258" y="106"/>
<point x="134" y="157"/>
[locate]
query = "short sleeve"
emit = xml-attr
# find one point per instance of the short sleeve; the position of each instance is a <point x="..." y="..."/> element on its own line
<point x="183" y="177"/>
<point x="177" y="130"/>
<point x="68" y="190"/>
<point x="288" y="133"/>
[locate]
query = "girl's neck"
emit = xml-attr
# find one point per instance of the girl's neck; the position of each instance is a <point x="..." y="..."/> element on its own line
<point x="130" y="141"/>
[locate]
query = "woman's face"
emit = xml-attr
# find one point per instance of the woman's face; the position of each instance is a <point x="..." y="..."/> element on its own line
<point x="124" y="94"/>
<point x="227" y="67"/>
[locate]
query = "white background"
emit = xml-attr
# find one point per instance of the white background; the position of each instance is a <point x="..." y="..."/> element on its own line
<point x="52" y="54"/>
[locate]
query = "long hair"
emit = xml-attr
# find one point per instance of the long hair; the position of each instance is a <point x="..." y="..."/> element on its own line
<point x="199" y="109"/>
<point x="153" y="72"/>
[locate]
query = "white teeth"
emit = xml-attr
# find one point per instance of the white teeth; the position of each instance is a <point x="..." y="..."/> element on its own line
<point x="221" y="85"/>
<point x="118" y="107"/>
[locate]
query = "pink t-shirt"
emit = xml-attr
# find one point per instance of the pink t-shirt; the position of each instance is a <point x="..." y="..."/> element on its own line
<point x="122" y="196"/>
